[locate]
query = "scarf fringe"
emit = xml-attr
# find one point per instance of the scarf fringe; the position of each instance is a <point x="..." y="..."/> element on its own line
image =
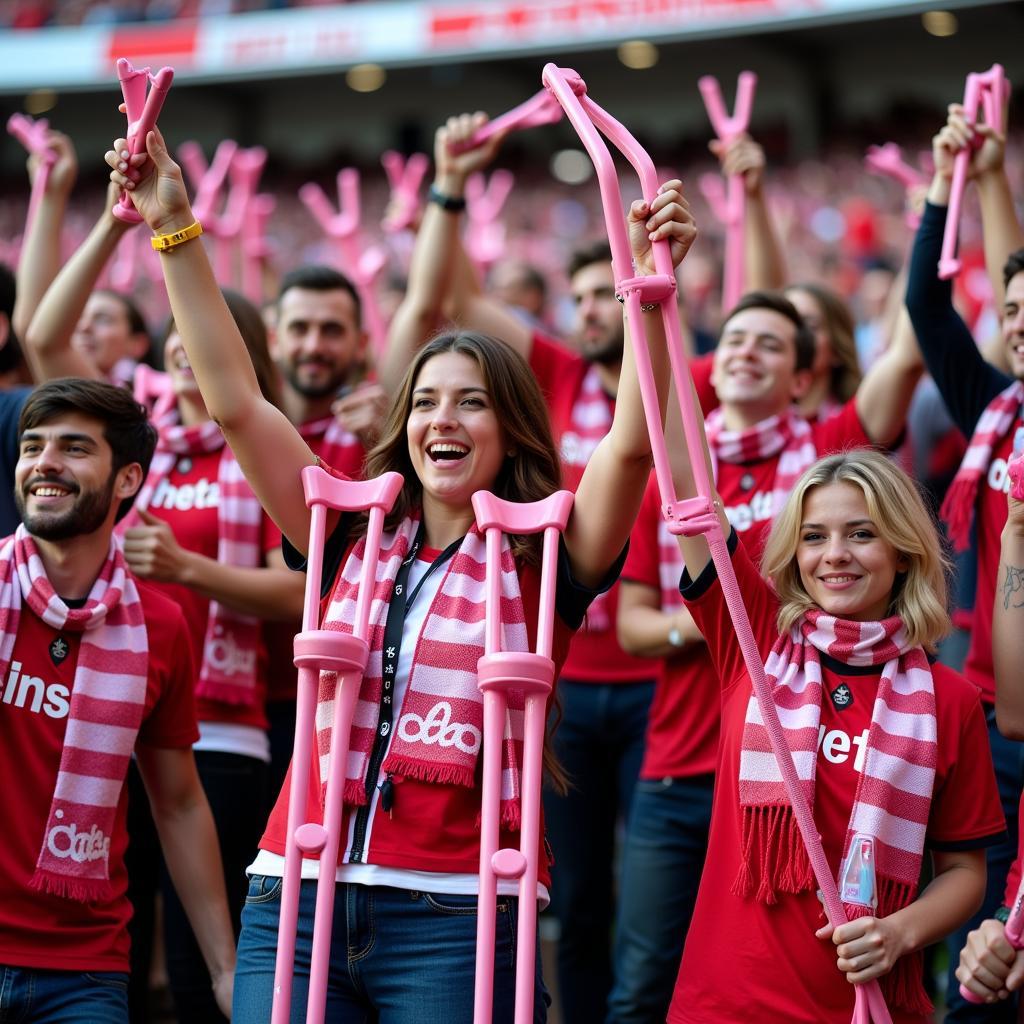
<point x="773" y="859"/>
<point x="353" y="795"/>
<point x="82" y="890"/>
<point x="957" y="511"/>
<point x="445" y="774"/>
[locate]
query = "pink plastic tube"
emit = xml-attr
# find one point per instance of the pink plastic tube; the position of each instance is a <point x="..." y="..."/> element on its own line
<point x="324" y="650"/>
<point x="538" y="110"/>
<point x="244" y="175"/>
<point x="888" y="160"/>
<point x="692" y="516"/>
<point x="485" y="198"/>
<point x="142" y="109"/>
<point x="256" y="248"/>
<point x="728" y="127"/>
<point x="207" y="180"/>
<point x="1014" y="924"/>
<point x="533" y="674"/>
<point x="362" y="263"/>
<point x="989" y="91"/>
<point x="32" y="135"/>
<point x="405" y="178"/>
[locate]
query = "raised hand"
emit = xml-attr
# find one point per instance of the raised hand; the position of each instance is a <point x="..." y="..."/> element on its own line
<point x="154" y="182"/>
<point x="452" y="164"/>
<point x="666" y="217"/>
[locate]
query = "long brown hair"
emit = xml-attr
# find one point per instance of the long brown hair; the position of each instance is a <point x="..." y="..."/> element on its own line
<point x="845" y="373"/>
<point x="532" y="473"/>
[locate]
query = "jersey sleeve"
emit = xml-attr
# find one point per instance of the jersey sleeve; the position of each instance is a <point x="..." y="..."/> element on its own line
<point x="551" y="363"/>
<point x="172" y="719"/>
<point x="705" y="599"/>
<point x="841" y="432"/>
<point x="966" y="812"/>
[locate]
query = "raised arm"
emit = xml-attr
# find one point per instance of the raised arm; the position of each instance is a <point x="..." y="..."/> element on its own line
<point x="765" y="267"/>
<point x="1008" y="625"/>
<point x="609" y="495"/>
<point x="438" y="251"/>
<point x="268" y="448"/>
<point x="40" y="248"/>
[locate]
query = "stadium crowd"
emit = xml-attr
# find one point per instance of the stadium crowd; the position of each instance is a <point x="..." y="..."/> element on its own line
<point x="861" y="422"/>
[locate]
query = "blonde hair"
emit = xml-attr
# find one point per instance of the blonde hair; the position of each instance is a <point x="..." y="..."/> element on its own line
<point x="919" y="593"/>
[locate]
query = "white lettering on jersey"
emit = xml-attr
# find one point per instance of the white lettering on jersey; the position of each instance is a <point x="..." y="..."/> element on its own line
<point x="576" y="451"/>
<point x="835" y="744"/>
<point x="186" y="497"/>
<point x="998" y="478"/>
<point x="19" y="691"/>
<point x="745" y="514"/>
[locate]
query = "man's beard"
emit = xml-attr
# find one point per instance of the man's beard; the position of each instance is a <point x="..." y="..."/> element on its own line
<point x="308" y="390"/>
<point x="86" y="515"/>
<point x="607" y="352"/>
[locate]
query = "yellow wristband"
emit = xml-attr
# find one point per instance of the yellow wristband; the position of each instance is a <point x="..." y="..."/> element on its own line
<point x="164" y="243"/>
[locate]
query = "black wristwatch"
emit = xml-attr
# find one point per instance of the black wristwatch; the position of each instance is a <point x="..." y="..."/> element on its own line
<point x="453" y="204"/>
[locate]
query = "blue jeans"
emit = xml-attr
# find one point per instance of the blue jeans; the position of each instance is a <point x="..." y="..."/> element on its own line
<point x="600" y="744"/>
<point x="397" y="957"/>
<point x="666" y="841"/>
<point x="32" y="996"/>
<point x="1008" y="759"/>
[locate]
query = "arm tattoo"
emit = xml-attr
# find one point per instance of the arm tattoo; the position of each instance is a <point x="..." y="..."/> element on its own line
<point x="1013" y="587"/>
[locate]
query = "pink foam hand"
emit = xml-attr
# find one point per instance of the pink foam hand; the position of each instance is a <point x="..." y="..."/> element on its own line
<point x="406" y="178"/>
<point x="986" y="92"/>
<point x="144" y="96"/>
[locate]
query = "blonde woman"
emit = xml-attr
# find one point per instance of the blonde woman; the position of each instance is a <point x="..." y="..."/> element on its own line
<point x="891" y="748"/>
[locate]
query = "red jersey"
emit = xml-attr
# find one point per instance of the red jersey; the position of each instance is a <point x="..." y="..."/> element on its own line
<point x="188" y="499"/>
<point x="743" y="956"/>
<point x="596" y="656"/>
<point x="989" y="519"/>
<point x="682" y="737"/>
<point x="38" y="929"/>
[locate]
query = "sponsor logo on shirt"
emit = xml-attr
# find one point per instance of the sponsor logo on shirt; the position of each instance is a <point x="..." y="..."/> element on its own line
<point x="186" y="497"/>
<point x="998" y="478"/>
<point x="25" y="691"/>
<point x="439" y="728"/>
<point x="226" y="656"/>
<point x="841" y="696"/>
<point x="65" y="841"/>
<point x="576" y="450"/>
<point x="835" y="746"/>
<point x="746" y="513"/>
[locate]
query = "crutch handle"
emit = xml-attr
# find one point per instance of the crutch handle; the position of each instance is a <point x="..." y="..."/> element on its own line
<point x="1014" y="931"/>
<point x="522" y="517"/>
<point x="540" y="109"/>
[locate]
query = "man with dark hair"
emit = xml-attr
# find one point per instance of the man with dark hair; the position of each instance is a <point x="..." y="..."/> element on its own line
<point x="521" y="287"/>
<point x="95" y="667"/>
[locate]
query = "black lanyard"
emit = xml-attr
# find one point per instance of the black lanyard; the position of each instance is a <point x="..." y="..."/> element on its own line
<point x="394" y="627"/>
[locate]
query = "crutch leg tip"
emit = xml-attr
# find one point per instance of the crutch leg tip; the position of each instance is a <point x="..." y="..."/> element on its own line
<point x="948" y="269"/>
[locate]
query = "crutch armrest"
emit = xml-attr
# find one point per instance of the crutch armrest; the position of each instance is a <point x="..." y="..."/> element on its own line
<point x="515" y="670"/>
<point x="652" y="288"/>
<point x="321" y="488"/>
<point x="691" y="517"/>
<point x="330" y="650"/>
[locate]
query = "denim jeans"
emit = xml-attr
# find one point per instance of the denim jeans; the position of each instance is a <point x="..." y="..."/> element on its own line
<point x="31" y="996"/>
<point x="1008" y="759"/>
<point x="666" y="840"/>
<point x="600" y="744"/>
<point x="397" y="957"/>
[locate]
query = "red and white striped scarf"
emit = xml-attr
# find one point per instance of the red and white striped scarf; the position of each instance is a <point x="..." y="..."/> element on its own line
<point x="439" y="727"/>
<point x="894" y="791"/>
<point x="787" y="435"/>
<point x="108" y="697"/>
<point x="589" y="421"/>
<point x="228" y="671"/>
<point x="993" y="425"/>
<point x="338" y="447"/>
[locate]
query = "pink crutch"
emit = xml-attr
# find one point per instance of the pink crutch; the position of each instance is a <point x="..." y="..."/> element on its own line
<point x="321" y="650"/>
<point x="485" y="198"/>
<point x="405" y="178"/>
<point x="32" y="135"/>
<point x="888" y="160"/>
<point x="728" y="128"/>
<point x="256" y="248"/>
<point x="207" y="180"/>
<point x="363" y="264"/>
<point x="692" y="516"/>
<point x="989" y="91"/>
<point x="533" y="674"/>
<point x="144" y="96"/>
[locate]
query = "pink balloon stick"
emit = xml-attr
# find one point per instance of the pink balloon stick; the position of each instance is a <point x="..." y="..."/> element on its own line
<point x="142" y="108"/>
<point x="405" y="177"/>
<point x="985" y="91"/>
<point x="32" y="135"/>
<point x="728" y="127"/>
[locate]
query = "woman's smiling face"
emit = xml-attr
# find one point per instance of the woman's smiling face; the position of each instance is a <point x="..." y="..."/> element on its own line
<point x="456" y="444"/>
<point x="847" y="568"/>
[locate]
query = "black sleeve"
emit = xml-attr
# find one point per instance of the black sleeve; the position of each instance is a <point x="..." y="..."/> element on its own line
<point x="967" y="383"/>
<point x="334" y="548"/>
<point x="572" y="599"/>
